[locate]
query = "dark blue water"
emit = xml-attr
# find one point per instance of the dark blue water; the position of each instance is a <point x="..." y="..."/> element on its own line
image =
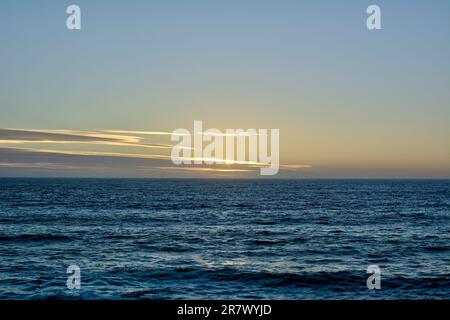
<point x="219" y="239"/>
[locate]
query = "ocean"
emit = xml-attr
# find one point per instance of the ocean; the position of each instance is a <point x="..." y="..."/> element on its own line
<point x="224" y="239"/>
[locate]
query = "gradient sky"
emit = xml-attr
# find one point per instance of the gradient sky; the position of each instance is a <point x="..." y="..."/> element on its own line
<point x="349" y="102"/>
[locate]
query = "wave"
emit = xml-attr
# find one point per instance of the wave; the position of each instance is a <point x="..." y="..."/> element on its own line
<point x="35" y="237"/>
<point x="335" y="281"/>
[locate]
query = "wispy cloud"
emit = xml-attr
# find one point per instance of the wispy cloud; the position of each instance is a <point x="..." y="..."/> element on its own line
<point x="197" y="169"/>
<point x="221" y="161"/>
<point x="167" y="133"/>
<point x="63" y="135"/>
<point x="99" y="153"/>
<point x="146" y="133"/>
<point x="32" y="150"/>
<point x="22" y="136"/>
<point x="45" y="166"/>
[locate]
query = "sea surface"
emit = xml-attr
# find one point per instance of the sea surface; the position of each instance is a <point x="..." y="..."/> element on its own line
<point x="224" y="239"/>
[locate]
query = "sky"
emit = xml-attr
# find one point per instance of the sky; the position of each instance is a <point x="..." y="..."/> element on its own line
<point x="102" y="101"/>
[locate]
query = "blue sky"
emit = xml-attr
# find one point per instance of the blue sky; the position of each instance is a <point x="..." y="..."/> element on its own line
<point x="349" y="102"/>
